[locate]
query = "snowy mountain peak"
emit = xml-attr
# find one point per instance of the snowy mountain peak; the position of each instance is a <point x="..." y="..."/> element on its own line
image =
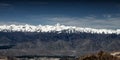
<point x="58" y="28"/>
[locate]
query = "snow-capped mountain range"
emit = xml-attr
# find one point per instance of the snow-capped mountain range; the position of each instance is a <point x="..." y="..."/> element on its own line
<point x="49" y="28"/>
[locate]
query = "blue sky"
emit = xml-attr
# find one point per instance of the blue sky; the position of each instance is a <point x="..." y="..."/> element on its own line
<point x="83" y="13"/>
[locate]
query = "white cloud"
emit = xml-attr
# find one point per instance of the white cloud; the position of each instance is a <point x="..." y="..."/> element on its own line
<point x="4" y="4"/>
<point x="107" y="15"/>
<point x="88" y="22"/>
<point x="8" y="23"/>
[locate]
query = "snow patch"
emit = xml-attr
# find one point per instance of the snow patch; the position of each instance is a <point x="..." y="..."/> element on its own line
<point x="58" y="27"/>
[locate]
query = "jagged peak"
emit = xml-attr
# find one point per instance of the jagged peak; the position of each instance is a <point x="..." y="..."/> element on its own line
<point x="57" y="27"/>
